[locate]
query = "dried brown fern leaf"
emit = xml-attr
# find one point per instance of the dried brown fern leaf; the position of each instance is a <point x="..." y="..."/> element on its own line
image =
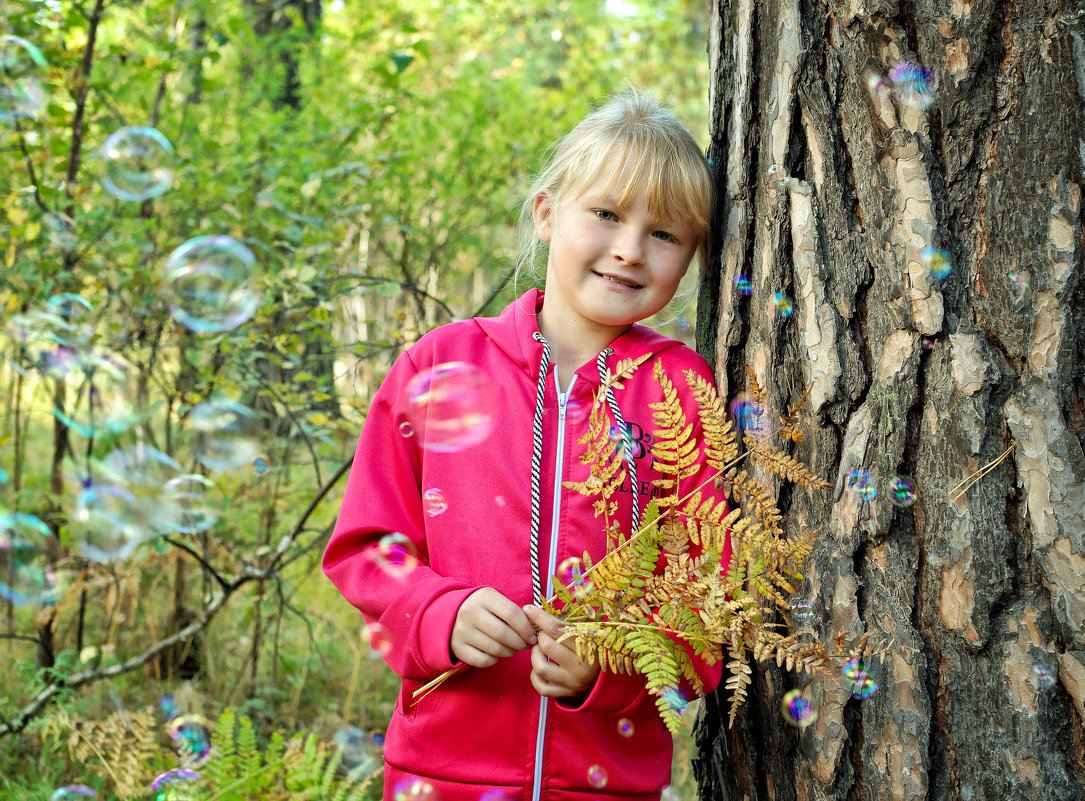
<point x="624" y="369"/>
<point x="757" y="392"/>
<point x="772" y="460"/>
<point x="789" y="423"/>
<point x="720" y="445"/>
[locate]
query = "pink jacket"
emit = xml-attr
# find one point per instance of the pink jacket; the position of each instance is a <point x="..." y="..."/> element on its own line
<point x="487" y="730"/>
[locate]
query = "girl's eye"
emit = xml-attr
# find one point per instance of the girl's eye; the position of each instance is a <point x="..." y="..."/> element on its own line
<point x="664" y="236"/>
<point x="603" y="214"/>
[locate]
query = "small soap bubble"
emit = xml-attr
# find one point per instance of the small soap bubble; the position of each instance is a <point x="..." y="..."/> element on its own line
<point x="59" y="230"/>
<point x="746" y="414"/>
<point x="260" y="465"/>
<point x="862" y="484"/>
<point x="225" y="433"/>
<point x="191" y="738"/>
<point x="597" y="777"/>
<point x="860" y="680"/>
<point x="576" y="410"/>
<point x="797" y="709"/>
<point x="414" y="789"/>
<point x="26" y="576"/>
<point x="405" y="430"/>
<point x="360" y="756"/>
<point x="913" y="84"/>
<point x="396" y="555"/>
<point x="22" y="73"/>
<point x="167" y="705"/>
<point x="377" y="638"/>
<point x="139" y="163"/>
<point x="625" y="727"/>
<point x="938" y="261"/>
<point x="779" y="176"/>
<point x="877" y="84"/>
<point x="496" y="795"/>
<point x="1018" y="280"/>
<point x="571" y="574"/>
<point x="669" y="794"/>
<point x="73" y="792"/>
<point x="499" y="500"/>
<point x="434" y="502"/>
<point x="210" y="284"/>
<point x="783" y="305"/>
<point x="1045" y="677"/>
<point x="179" y="784"/>
<point x="743" y="285"/>
<point x="682" y="322"/>
<point x="673" y="698"/>
<point x="451" y="406"/>
<point x="4" y="479"/>
<point x="928" y="343"/>
<point x="902" y="491"/>
<point x="802" y="611"/>
<point x="188" y="496"/>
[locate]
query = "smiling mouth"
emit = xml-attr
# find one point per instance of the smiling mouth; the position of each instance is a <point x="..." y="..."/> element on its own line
<point x="620" y="281"/>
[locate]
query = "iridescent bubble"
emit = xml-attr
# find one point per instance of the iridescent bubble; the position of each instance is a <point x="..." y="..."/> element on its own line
<point x="779" y="176"/>
<point x="499" y="500"/>
<point x="571" y="575"/>
<point x="405" y="430"/>
<point x="743" y="285"/>
<point x="928" y="343"/>
<point x="783" y="305"/>
<point x="396" y="555"/>
<point x="4" y="479"/>
<point x="669" y="794"/>
<point x="145" y="472"/>
<point x="259" y="464"/>
<point x="576" y="410"/>
<point x="1019" y="280"/>
<point x="913" y="84"/>
<point x="902" y="491"/>
<point x="938" y="261"/>
<point x="597" y="777"/>
<point x="861" y="483"/>
<point x="103" y="524"/>
<point x="139" y="163"/>
<point x="100" y="389"/>
<point x="877" y="84"/>
<point x="73" y="792"/>
<point x="746" y="413"/>
<point x="377" y="638"/>
<point x="497" y="795"/>
<point x="26" y="576"/>
<point x="797" y="709"/>
<point x="414" y="789"/>
<point x="682" y="322"/>
<point x="209" y="280"/>
<point x="179" y="784"/>
<point x="22" y="72"/>
<point x="38" y="337"/>
<point x="75" y="310"/>
<point x="625" y="727"/>
<point x="359" y="754"/>
<point x="802" y="611"/>
<point x="860" y="680"/>
<point x="434" y="502"/>
<point x="451" y="406"/>
<point x="1045" y="676"/>
<point x="191" y="737"/>
<point x="168" y="706"/>
<point x="188" y="496"/>
<point x="60" y="230"/>
<point x="225" y="433"/>
<point x="673" y="698"/>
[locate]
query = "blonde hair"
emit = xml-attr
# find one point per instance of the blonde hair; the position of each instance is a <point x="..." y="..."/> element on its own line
<point x="630" y="137"/>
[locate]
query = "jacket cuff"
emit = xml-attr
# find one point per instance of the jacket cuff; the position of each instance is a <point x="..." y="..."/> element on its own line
<point x="612" y="693"/>
<point x="435" y="630"/>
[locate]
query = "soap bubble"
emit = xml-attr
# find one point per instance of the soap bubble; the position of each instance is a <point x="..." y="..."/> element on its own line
<point x="938" y="261"/>
<point x="188" y="496"/>
<point x="377" y="638"/>
<point x="168" y="705"/>
<point x="4" y="479"/>
<point x="103" y="524"/>
<point x="359" y="754"/>
<point x="877" y="84"/>
<point x="415" y="789"/>
<point x="862" y="484"/>
<point x="209" y="280"/>
<point x="100" y="388"/>
<point x="625" y="727"/>
<point x="75" y="310"/>
<point x="746" y="414"/>
<point x="673" y="698"/>
<point x="191" y="737"/>
<point x="139" y="163"/>
<point x="60" y="230"/>
<point x="179" y="784"/>
<point x="913" y="84"/>
<point x="779" y="176"/>
<point x="22" y="68"/>
<point x="783" y="305"/>
<point x="1019" y="280"/>
<point x="40" y="338"/>
<point x="497" y="795"/>
<point x="902" y="491"/>
<point x="797" y="709"/>
<point x="743" y="285"/>
<point x="576" y="410"/>
<point x="26" y="576"/>
<point x="802" y="611"/>
<point x="145" y="472"/>
<point x="396" y="555"/>
<point x="73" y="792"/>
<point x="860" y="681"/>
<point x="499" y="500"/>
<point x="1045" y="676"/>
<point x="225" y="433"/>
<point x="571" y="574"/>
<point x="597" y="777"/>
<point x="451" y="406"/>
<point x="405" y="430"/>
<point x="434" y="502"/>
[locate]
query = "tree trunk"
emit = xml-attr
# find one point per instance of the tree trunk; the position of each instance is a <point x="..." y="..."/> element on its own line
<point x="982" y="591"/>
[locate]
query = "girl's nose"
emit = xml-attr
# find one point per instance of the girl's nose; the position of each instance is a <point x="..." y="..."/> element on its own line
<point x="628" y="246"/>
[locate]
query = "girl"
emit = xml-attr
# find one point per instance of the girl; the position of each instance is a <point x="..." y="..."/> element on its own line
<point x="620" y="212"/>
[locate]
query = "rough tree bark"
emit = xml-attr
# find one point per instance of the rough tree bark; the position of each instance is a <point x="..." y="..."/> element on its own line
<point x="913" y="375"/>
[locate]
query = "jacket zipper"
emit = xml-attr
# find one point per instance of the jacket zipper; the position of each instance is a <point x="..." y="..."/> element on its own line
<point x="563" y="400"/>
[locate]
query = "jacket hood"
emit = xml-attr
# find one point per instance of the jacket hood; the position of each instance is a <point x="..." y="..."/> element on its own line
<point x="513" y="332"/>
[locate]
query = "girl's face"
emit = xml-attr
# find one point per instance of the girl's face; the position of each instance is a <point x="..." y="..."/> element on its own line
<point x="609" y="265"/>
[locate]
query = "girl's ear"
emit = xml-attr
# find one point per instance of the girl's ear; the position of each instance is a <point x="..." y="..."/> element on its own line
<point x="542" y="214"/>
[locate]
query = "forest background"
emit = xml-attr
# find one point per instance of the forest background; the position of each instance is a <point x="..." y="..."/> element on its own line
<point x="370" y="155"/>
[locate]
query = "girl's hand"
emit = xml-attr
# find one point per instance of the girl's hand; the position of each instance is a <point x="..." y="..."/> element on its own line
<point x="556" y="670"/>
<point x="489" y="627"/>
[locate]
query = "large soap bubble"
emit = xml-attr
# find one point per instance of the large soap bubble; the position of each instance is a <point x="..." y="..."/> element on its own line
<point x="210" y="283"/>
<point x="26" y="576"/>
<point x="226" y="433"/>
<point x="139" y="163"/>
<point x="451" y="406"/>
<point x="22" y="69"/>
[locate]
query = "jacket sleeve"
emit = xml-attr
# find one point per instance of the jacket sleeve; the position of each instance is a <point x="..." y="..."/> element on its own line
<point x="613" y="692"/>
<point x="409" y="608"/>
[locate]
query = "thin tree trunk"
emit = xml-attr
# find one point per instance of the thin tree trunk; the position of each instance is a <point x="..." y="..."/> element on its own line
<point x="980" y="594"/>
